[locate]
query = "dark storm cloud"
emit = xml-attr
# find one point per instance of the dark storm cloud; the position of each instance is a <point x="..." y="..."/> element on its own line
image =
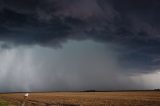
<point x="134" y="24"/>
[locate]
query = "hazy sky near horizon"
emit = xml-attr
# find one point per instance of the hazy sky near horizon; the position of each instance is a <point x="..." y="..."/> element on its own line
<point x="79" y="44"/>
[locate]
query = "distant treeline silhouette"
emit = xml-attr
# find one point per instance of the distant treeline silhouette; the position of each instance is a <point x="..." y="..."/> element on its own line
<point x="157" y="89"/>
<point x="91" y="90"/>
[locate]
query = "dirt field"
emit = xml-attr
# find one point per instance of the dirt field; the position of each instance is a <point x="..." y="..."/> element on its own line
<point x="150" y="98"/>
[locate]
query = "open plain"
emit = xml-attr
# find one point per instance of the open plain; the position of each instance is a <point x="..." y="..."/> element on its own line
<point x="134" y="98"/>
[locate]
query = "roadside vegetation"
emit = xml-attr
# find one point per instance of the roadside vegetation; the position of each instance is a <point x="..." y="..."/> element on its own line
<point x="3" y="103"/>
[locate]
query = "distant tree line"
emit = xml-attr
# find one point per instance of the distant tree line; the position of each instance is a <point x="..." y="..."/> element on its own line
<point x="91" y="90"/>
<point x="157" y="89"/>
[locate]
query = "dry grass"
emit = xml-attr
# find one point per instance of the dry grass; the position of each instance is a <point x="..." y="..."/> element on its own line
<point x="151" y="98"/>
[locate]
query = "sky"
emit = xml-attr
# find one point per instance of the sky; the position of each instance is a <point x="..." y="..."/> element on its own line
<point x="74" y="45"/>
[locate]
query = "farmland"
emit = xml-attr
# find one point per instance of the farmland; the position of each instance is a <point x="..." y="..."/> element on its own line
<point x="136" y="98"/>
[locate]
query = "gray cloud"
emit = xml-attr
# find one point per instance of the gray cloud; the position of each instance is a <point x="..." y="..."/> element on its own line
<point x="131" y="25"/>
<point x="77" y="66"/>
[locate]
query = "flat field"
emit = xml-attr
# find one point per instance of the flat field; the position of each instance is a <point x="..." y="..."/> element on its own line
<point x="137" y="98"/>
